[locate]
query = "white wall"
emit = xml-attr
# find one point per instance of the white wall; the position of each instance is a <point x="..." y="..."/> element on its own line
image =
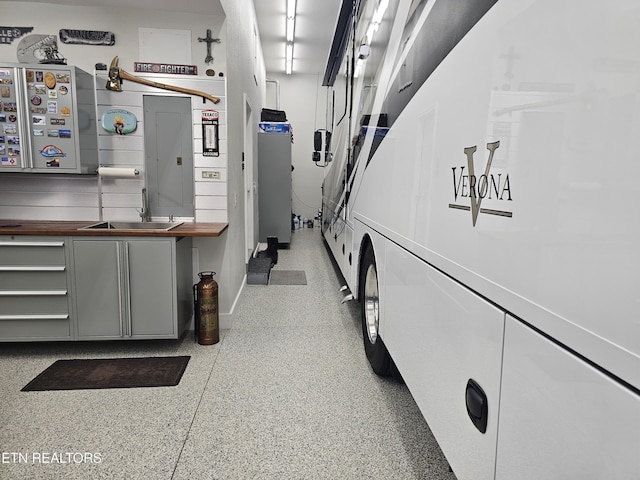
<point x="122" y="198"/>
<point x="246" y="82"/>
<point x="59" y="197"/>
<point x="240" y="59"/>
<point x="303" y="98"/>
<point x="49" y="18"/>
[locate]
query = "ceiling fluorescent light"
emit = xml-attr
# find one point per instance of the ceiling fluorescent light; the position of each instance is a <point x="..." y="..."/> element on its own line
<point x="376" y="21"/>
<point x="289" y="59"/>
<point x="291" y="25"/>
<point x="358" y="69"/>
<point x="380" y="10"/>
<point x="291" y="8"/>
<point x="370" y="31"/>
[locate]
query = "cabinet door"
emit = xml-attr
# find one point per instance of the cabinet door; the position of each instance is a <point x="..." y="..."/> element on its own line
<point x="98" y="289"/>
<point x="152" y="290"/>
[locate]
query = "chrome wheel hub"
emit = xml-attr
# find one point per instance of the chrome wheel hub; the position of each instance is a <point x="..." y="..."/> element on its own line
<point x="371" y="303"/>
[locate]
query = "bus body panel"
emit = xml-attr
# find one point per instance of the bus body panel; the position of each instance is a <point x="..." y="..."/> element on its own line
<point x="441" y="336"/>
<point x="558" y="246"/>
<point x="504" y="186"/>
<point x="561" y="418"/>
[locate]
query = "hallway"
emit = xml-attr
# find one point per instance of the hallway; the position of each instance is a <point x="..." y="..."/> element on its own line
<point x="286" y="394"/>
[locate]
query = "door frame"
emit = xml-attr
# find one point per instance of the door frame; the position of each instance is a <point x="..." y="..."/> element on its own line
<point x="250" y="174"/>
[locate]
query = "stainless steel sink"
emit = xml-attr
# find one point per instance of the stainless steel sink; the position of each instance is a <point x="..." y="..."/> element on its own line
<point x="132" y="226"/>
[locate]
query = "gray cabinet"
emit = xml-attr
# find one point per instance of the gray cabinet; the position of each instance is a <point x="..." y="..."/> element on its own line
<point x="34" y="294"/>
<point x="98" y="288"/>
<point x="152" y="288"/>
<point x="131" y="288"/>
<point x="94" y="288"/>
<point x="50" y="124"/>
<point x="274" y="186"/>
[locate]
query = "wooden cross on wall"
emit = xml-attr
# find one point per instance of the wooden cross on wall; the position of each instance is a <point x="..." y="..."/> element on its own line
<point x="209" y="39"/>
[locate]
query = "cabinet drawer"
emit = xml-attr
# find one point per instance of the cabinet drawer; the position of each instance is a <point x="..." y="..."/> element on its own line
<point x="14" y="278"/>
<point x="34" y="329"/>
<point x="52" y="302"/>
<point x="25" y="251"/>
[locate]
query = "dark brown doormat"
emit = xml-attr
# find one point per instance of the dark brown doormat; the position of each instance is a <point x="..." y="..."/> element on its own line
<point x="110" y="373"/>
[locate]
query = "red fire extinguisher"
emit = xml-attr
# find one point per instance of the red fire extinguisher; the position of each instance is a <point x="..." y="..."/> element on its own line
<point x="205" y="301"/>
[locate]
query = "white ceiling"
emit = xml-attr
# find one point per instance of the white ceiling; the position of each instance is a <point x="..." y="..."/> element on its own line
<point x="315" y="22"/>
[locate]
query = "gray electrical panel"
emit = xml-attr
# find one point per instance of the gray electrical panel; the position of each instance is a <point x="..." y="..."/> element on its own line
<point x="274" y="186"/>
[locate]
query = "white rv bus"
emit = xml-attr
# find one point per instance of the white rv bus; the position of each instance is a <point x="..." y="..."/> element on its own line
<point x="479" y="199"/>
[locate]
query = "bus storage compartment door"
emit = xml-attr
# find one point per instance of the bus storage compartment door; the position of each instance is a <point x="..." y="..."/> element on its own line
<point x="440" y="334"/>
<point x="561" y="417"/>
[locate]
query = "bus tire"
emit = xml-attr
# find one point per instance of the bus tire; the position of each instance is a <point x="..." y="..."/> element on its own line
<point x="374" y="347"/>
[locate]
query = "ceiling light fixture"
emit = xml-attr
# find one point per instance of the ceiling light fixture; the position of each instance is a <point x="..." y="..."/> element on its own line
<point x="291" y="25"/>
<point x="288" y="64"/>
<point x="365" y="48"/>
<point x="291" y="8"/>
<point x="380" y="10"/>
<point x="376" y="20"/>
<point x="291" y="28"/>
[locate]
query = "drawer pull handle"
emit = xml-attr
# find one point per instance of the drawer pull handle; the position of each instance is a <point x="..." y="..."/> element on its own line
<point x="32" y="268"/>
<point x="31" y="244"/>
<point x="34" y="317"/>
<point x="32" y="293"/>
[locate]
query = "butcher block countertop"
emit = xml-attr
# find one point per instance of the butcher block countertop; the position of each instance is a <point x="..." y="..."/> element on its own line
<point x="44" y="227"/>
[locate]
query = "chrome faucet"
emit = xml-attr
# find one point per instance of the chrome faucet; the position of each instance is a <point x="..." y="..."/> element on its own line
<point x="144" y="213"/>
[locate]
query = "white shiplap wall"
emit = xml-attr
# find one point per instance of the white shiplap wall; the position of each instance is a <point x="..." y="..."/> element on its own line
<point x="39" y="196"/>
<point x="79" y="197"/>
<point x="122" y="198"/>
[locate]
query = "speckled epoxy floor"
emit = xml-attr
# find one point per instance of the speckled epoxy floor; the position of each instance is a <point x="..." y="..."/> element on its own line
<point x="286" y="394"/>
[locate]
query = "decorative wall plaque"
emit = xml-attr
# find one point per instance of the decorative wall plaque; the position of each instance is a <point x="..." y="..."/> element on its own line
<point x="165" y="68"/>
<point x="8" y="34"/>
<point x="119" y="121"/>
<point x="34" y="48"/>
<point x="210" y="141"/>
<point x="87" y="37"/>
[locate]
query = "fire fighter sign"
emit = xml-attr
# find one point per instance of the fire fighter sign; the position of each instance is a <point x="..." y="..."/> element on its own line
<point x="144" y="67"/>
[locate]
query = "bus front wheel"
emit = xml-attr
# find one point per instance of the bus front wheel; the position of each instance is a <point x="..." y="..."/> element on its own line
<point x="374" y="347"/>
